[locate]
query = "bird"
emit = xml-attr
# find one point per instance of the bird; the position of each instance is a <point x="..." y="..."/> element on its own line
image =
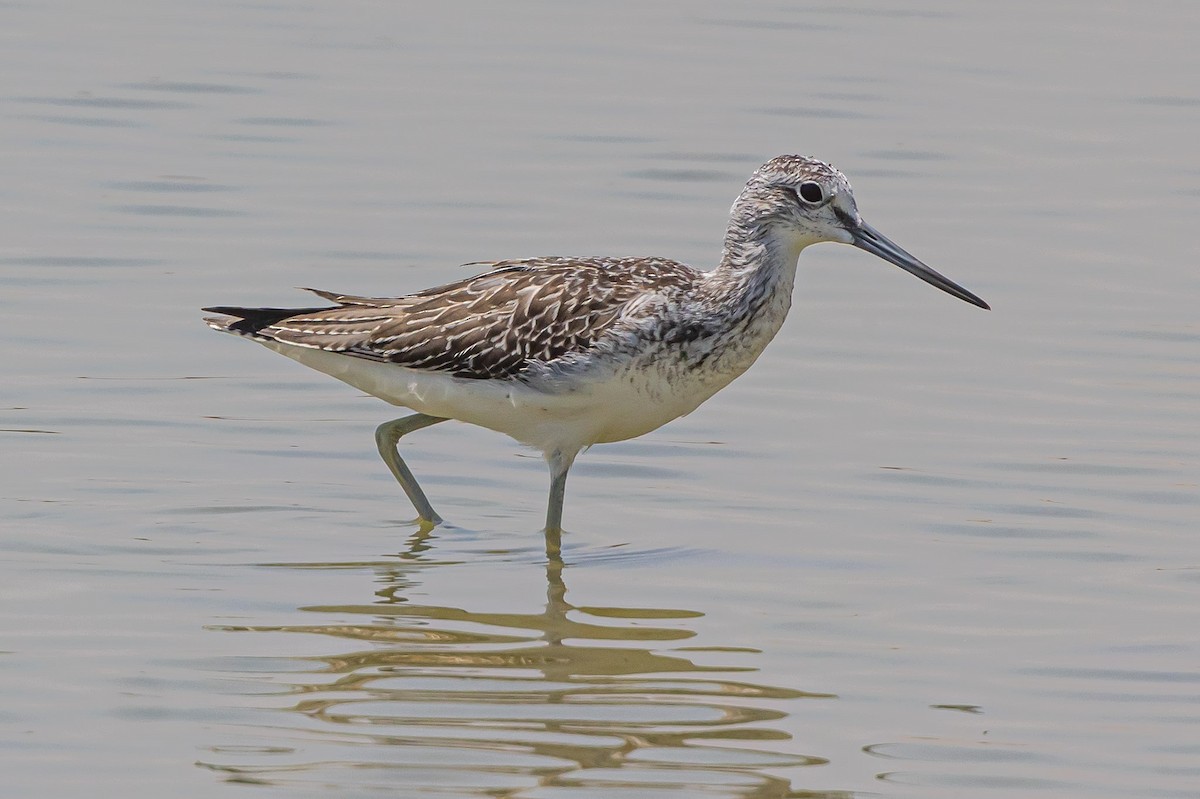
<point x="562" y="353"/>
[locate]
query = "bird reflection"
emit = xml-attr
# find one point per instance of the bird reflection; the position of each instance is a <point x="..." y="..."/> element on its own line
<point x="571" y="700"/>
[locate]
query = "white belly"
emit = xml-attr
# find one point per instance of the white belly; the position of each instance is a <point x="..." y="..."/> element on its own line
<point x="588" y="408"/>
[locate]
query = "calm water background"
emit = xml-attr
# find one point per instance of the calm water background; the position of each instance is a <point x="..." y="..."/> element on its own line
<point x="918" y="551"/>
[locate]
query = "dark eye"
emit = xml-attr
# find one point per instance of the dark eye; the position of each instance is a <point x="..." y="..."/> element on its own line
<point x="811" y="192"/>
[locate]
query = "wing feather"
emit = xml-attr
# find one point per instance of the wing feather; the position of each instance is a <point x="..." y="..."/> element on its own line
<point x="492" y="325"/>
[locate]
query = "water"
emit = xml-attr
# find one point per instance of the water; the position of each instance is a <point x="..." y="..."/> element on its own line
<point x="919" y="550"/>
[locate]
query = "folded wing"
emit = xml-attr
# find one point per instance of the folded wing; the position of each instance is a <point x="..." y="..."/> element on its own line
<point x="490" y="326"/>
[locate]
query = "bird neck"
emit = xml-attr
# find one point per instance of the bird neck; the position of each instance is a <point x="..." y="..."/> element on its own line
<point x="757" y="264"/>
<point x="746" y="299"/>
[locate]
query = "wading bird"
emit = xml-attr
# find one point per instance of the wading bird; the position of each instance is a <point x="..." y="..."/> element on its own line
<point x="563" y="353"/>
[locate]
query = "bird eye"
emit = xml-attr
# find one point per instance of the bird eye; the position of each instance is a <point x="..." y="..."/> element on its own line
<point x="811" y="192"/>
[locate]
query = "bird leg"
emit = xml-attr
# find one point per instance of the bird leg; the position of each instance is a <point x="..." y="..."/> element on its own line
<point x="387" y="436"/>
<point x="560" y="463"/>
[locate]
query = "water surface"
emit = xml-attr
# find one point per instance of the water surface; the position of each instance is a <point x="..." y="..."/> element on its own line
<point x="918" y="550"/>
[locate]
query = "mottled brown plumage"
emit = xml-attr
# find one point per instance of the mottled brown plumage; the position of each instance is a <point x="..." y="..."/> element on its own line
<point x="490" y="326"/>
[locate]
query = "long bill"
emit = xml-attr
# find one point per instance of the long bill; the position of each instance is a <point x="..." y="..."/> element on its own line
<point x="869" y="239"/>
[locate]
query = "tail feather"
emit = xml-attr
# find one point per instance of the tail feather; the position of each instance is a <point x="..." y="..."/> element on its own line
<point x="354" y="299"/>
<point x="249" y="321"/>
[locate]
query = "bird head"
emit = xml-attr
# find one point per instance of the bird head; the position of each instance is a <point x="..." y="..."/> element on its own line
<point x="793" y="201"/>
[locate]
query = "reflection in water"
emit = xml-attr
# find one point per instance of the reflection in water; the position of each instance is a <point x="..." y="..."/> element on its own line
<point x="564" y="702"/>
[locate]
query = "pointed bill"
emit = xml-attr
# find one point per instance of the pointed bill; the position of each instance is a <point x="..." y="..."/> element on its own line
<point x="869" y="239"/>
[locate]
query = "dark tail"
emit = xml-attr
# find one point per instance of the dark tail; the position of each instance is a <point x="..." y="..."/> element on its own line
<point x="249" y="321"/>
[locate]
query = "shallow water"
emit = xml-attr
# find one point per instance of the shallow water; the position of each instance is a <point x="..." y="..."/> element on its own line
<point x="918" y="550"/>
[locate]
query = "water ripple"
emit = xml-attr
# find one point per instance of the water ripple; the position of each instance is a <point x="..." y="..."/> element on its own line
<point x="492" y="702"/>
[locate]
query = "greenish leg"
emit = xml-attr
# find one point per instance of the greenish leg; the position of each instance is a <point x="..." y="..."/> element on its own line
<point x="560" y="463"/>
<point x="387" y="436"/>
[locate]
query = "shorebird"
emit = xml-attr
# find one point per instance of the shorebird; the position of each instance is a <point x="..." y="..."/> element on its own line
<point x="563" y="353"/>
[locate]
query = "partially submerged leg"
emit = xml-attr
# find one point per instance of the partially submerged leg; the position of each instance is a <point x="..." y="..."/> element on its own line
<point x="387" y="435"/>
<point x="560" y="463"/>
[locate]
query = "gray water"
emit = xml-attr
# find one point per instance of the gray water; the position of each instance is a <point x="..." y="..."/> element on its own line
<point x="919" y="550"/>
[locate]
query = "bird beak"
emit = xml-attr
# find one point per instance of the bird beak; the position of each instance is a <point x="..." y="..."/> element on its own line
<point x="869" y="239"/>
